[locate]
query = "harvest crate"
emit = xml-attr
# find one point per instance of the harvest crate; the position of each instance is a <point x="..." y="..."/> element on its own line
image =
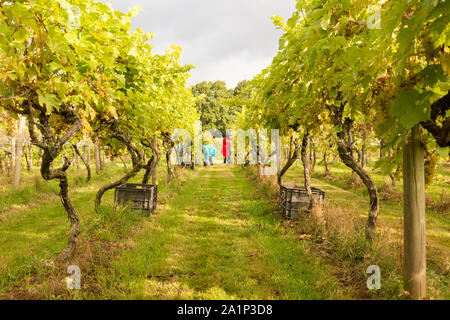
<point x="294" y="199"/>
<point x="141" y="197"/>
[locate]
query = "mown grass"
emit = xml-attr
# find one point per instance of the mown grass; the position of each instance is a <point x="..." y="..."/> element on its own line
<point x="219" y="240"/>
<point x="213" y="237"/>
<point x="32" y="189"/>
<point x="347" y="200"/>
<point x="32" y="234"/>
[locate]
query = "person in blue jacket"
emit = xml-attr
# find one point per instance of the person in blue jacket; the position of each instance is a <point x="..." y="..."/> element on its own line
<point x="208" y="153"/>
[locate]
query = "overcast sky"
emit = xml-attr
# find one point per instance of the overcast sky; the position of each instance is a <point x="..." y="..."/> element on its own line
<point x="229" y="40"/>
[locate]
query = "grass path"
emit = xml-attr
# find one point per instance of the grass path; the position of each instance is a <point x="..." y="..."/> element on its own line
<point x="217" y="239"/>
<point x="215" y="235"/>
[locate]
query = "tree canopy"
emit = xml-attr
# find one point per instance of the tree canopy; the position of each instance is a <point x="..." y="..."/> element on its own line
<point x="214" y="106"/>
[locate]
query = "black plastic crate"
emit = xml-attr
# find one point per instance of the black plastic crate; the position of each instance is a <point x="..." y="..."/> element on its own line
<point x="142" y="197"/>
<point x="294" y="199"/>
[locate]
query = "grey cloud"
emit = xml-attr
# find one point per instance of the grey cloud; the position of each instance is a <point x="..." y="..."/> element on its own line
<point x="217" y="36"/>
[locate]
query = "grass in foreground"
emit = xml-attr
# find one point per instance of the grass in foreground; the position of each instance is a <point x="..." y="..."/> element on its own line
<point x="218" y="239"/>
<point x="31" y="234"/>
<point x="347" y="206"/>
<point x="214" y="237"/>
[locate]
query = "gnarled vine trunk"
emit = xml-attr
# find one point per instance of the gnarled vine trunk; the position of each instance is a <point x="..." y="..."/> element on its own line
<point x="325" y="163"/>
<point x="123" y="162"/>
<point x="170" y="171"/>
<point x="60" y="174"/>
<point x="148" y="170"/>
<point x="394" y="183"/>
<point x="7" y="165"/>
<point x="169" y="145"/>
<point x="360" y="157"/>
<point x="306" y="169"/>
<point x="52" y="147"/>
<point x="136" y="158"/>
<point x="151" y="168"/>
<point x="77" y="158"/>
<point x="294" y="150"/>
<point x="345" y="147"/>
<point x="439" y="124"/>
<point x="156" y="161"/>
<point x="27" y="155"/>
<point x="84" y="160"/>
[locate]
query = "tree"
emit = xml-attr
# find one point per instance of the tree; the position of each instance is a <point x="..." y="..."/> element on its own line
<point x="212" y="106"/>
<point x="45" y="76"/>
<point x="415" y="95"/>
<point x="334" y="66"/>
<point x="94" y="77"/>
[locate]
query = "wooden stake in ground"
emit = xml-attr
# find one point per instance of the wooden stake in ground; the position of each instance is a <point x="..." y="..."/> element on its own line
<point x="102" y="160"/>
<point x="97" y="158"/>
<point x="12" y="160"/>
<point x="414" y="216"/>
<point x="18" y="151"/>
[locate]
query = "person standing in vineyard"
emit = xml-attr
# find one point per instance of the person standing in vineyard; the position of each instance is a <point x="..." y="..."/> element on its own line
<point x="208" y="153"/>
<point x="226" y="150"/>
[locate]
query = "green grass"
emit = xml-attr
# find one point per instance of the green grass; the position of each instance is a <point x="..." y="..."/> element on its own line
<point x="33" y="188"/>
<point x="355" y="199"/>
<point x="217" y="239"/>
<point x="32" y="234"/>
<point x="215" y="235"/>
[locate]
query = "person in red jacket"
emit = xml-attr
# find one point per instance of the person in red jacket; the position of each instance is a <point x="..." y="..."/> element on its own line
<point x="226" y="150"/>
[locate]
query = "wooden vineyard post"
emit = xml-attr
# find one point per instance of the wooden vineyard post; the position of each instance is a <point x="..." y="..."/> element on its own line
<point x="18" y="151"/>
<point x="279" y="156"/>
<point x="414" y="216"/>
<point x="102" y="159"/>
<point x="12" y="159"/>
<point x="97" y="157"/>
